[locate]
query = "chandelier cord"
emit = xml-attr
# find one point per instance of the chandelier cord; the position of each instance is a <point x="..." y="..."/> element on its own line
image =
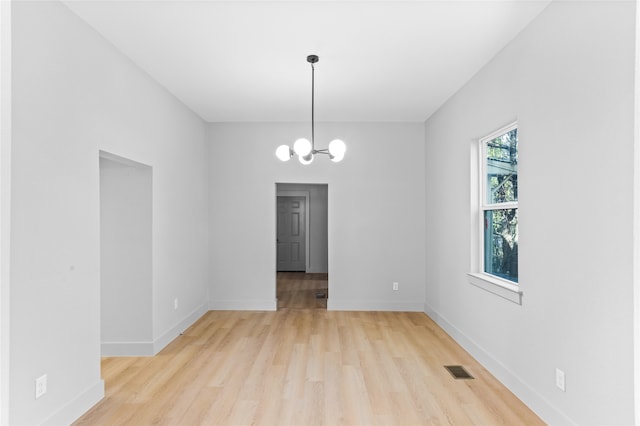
<point x="313" y="147"/>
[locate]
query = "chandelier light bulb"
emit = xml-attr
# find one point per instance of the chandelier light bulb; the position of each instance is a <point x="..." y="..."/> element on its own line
<point x="306" y="159"/>
<point x="283" y="152"/>
<point x="336" y="158"/>
<point x="337" y="148"/>
<point x="302" y="147"/>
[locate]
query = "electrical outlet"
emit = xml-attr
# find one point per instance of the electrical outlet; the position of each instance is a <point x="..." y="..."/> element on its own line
<point x="395" y="286"/>
<point x="175" y="303"/>
<point x="41" y="386"/>
<point x="560" y="379"/>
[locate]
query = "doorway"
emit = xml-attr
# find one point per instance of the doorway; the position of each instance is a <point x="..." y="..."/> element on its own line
<point x="126" y="286"/>
<point x="302" y="280"/>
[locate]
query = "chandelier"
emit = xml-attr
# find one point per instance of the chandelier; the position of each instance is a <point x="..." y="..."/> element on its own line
<point x="304" y="149"/>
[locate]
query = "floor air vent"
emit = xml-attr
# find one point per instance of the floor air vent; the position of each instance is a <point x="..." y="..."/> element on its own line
<point x="321" y="295"/>
<point x="458" y="372"/>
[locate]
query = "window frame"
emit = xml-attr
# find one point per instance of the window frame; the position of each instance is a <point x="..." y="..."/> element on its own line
<point x="502" y="287"/>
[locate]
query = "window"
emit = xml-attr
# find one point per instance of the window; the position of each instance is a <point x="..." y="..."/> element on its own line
<point x="499" y="204"/>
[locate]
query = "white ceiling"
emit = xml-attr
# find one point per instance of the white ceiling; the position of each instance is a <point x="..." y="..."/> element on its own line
<point x="246" y="60"/>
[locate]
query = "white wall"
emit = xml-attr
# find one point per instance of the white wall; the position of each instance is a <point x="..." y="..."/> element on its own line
<point x="74" y="95"/>
<point x="569" y="81"/>
<point x="317" y="238"/>
<point x="126" y="281"/>
<point x="5" y="203"/>
<point x="375" y="212"/>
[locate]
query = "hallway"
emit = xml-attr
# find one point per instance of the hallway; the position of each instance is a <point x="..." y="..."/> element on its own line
<point x="298" y="290"/>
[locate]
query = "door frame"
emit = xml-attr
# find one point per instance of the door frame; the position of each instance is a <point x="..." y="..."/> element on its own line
<point x="306" y="195"/>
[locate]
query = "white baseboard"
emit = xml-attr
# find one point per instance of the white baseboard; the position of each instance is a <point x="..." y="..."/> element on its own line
<point x="513" y="382"/>
<point x="151" y="348"/>
<point x="78" y="406"/>
<point x="431" y="313"/>
<point x="126" y="349"/>
<point x="243" y="305"/>
<point x="373" y="305"/>
<point x="162" y="341"/>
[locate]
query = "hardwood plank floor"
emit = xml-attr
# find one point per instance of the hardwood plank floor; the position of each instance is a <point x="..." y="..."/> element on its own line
<point x="305" y="367"/>
<point x="297" y="290"/>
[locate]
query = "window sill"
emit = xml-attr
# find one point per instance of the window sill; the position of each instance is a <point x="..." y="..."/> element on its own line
<point x="497" y="286"/>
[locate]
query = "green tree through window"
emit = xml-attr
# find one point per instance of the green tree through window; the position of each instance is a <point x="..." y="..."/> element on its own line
<point x="499" y="207"/>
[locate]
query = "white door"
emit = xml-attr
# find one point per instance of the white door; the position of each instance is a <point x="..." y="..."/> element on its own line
<point x="291" y="234"/>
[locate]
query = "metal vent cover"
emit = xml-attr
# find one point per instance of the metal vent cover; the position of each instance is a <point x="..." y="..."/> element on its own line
<point x="458" y="372"/>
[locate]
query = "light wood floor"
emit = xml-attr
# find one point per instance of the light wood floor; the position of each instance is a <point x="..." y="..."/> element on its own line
<point x="298" y="290"/>
<point x="305" y="367"/>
